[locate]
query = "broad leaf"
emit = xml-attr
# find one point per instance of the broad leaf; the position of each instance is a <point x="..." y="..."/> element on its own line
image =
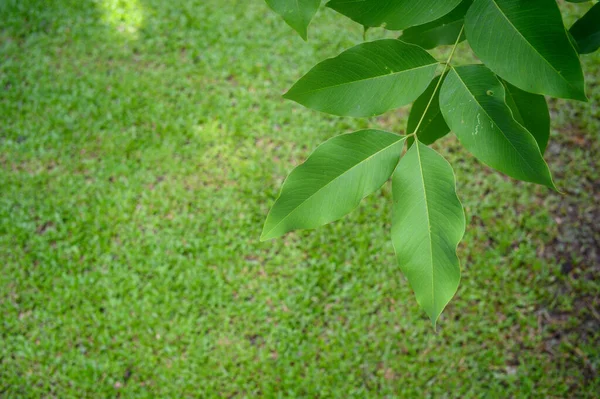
<point x="296" y="13"/>
<point x="366" y="80"/>
<point x="525" y="43"/>
<point x="333" y="180"/>
<point x="428" y="223"/>
<point x="531" y="111"/>
<point x="473" y="102"/>
<point x="586" y="31"/>
<point x="433" y="126"/>
<point x="440" y="32"/>
<point x="393" y="14"/>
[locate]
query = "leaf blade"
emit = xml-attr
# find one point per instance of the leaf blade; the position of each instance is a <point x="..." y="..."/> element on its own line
<point x="366" y="80"/>
<point x="393" y="14"/>
<point x="428" y="223"/>
<point x="442" y="31"/>
<point x="504" y="34"/>
<point x="473" y="103"/>
<point x="531" y="111"/>
<point x="296" y="13"/>
<point x="433" y="126"/>
<point x="333" y="181"/>
<point x="586" y="31"/>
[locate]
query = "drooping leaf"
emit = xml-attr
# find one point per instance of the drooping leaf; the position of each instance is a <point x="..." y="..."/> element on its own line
<point x="473" y="102"/>
<point x="443" y="31"/>
<point x="393" y="14"/>
<point x="333" y="180"/>
<point x="427" y="225"/>
<point x="366" y="80"/>
<point x="531" y="111"/>
<point x="586" y="31"/>
<point x="433" y="126"/>
<point x="296" y="13"/>
<point x="525" y="43"/>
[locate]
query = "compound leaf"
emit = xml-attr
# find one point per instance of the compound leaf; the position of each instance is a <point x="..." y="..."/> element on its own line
<point x="393" y="14"/>
<point x="296" y="13"/>
<point x="440" y="32"/>
<point x="473" y="102"/>
<point x="427" y="225"/>
<point x="333" y="180"/>
<point x="366" y="80"/>
<point x="586" y="31"/>
<point x="525" y="43"/>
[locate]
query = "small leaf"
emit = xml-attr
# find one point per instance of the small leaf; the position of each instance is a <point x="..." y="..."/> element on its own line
<point x="586" y="31"/>
<point x="433" y="126"/>
<point x="366" y="80"/>
<point x="428" y="223"/>
<point x="296" y="13"/>
<point x="333" y="180"/>
<point x="443" y="31"/>
<point x="525" y="43"/>
<point x="473" y="102"/>
<point x="393" y="14"/>
<point x="531" y="111"/>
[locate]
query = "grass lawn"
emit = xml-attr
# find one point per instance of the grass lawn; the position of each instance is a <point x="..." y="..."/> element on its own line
<point x="141" y="145"/>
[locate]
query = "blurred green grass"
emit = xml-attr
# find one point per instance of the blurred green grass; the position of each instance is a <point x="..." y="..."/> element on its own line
<point x="141" y="144"/>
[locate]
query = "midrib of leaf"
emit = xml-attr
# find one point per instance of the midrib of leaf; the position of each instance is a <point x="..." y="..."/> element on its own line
<point x="365" y="79"/>
<point x="492" y="119"/>
<point x="533" y="47"/>
<point x="428" y="223"/>
<point x="331" y="181"/>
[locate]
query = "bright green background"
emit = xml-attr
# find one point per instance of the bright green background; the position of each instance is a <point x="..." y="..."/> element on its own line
<point x="141" y="145"/>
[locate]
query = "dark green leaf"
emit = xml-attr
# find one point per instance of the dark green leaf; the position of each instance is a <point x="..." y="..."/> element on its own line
<point x="428" y="223"/>
<point x="440" y="32"/>
<point x="296" y="13"/>
<point x="366" y="80"/>
<point x="586" y="31"/>
<point x="473" y="102"/>
<point x="531" y="111"/>
<point x="333" y="180"/>
<point x="433" y="126"/>
<point x="393" y="14"/>
<point x="525" y="43"/>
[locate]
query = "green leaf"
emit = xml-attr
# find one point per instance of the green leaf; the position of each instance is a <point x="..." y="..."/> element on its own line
<point x="427" y="225"/>
<point x="393" y="14"/>
<point x="333" y="180"/>
<point x="366" y="80"/>
<point x="526" y="44"/>
<point x="531" y="111"/>
<point x="433" y="126"/>
<point x="586" y="31"/>
<point x="296" y="13"/>
<point x="443" y="31"/>
<point x="473" y="102"/>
